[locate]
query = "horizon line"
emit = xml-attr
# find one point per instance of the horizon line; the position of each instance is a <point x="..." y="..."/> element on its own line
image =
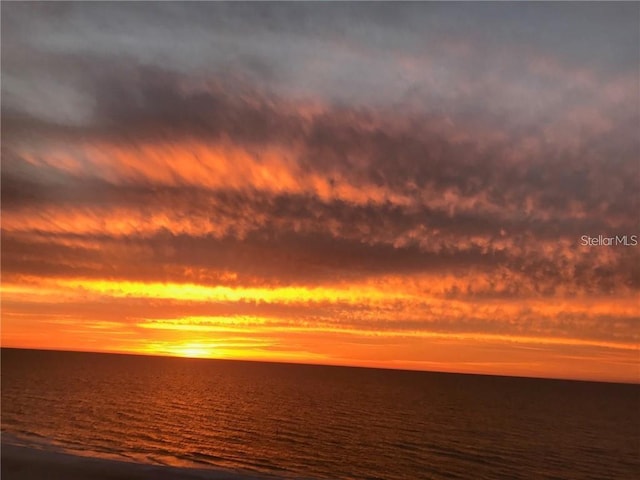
<point x="312" y="364"/>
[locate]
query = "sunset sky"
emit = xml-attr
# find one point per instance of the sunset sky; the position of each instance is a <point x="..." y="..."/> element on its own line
<point x="400" y="186"/>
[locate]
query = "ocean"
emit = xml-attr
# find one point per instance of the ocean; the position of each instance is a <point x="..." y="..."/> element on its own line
<point x="318" y="422"/>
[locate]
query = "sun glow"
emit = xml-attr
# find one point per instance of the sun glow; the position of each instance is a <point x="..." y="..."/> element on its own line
<point x="193" y="350"/>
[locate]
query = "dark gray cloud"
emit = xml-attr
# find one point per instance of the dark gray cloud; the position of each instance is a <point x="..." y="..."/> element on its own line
<point x="499" y="178"/>
<point x="424" y="54"/>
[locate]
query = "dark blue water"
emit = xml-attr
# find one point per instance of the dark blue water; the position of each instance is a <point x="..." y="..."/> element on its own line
<point x="320" y="422"/>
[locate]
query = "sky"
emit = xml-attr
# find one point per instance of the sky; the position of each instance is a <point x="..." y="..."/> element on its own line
<point x="402" y="185"/>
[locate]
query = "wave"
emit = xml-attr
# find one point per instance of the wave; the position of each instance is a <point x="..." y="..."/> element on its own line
<point x="25" y="458"/>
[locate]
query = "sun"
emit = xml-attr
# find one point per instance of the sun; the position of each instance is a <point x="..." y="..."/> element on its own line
<point x="193" y="351"/>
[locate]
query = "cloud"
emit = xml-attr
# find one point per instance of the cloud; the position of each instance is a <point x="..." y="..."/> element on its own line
<point x="403" y="149"/>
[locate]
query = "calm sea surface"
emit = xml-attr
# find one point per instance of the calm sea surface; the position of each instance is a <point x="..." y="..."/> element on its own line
<point x="320" y="422"/>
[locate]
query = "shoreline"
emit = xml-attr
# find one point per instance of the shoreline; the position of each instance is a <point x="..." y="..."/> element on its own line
<point x="28" y="463"/>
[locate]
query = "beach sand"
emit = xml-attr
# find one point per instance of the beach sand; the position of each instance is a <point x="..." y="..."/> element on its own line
<point x="24" y="463"/>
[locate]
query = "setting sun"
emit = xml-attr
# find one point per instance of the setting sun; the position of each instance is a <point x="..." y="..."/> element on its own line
<point x="193" y="351"/>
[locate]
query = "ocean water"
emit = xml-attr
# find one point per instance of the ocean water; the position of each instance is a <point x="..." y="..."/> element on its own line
<point x="317" y="422"/>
